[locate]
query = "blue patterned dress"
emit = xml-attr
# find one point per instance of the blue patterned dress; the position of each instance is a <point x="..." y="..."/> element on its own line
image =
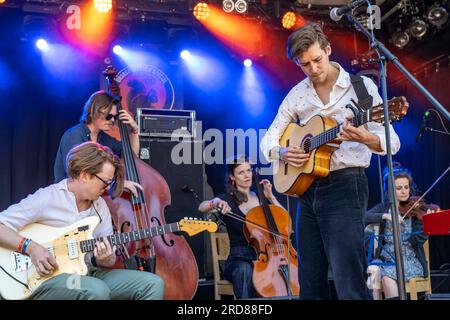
<point x="412" y="266"/>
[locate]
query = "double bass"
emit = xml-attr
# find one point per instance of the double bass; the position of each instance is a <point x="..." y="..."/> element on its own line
<point x="268" y="230"/>
<point x="169" y="255"/>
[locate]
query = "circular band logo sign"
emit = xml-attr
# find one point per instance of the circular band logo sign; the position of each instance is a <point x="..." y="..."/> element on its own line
<point x="145" y="86"/>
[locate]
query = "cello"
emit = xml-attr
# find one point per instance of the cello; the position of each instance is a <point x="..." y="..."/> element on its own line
<point x="169" y="255"/>
<point x="268" y="230"/>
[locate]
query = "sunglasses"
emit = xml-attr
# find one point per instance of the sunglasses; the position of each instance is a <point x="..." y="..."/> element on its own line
<point x="110" y="116"/>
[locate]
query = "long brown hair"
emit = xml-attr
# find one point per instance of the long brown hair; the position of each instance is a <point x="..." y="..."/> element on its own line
<point x="89" y="157"/>
<point x="230" y="188"/>
<point x="100" y="100"/>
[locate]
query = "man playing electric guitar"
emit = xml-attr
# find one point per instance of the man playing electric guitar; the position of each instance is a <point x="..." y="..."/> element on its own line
<point x="330" y="228"/>
<point x="92" y="169"/>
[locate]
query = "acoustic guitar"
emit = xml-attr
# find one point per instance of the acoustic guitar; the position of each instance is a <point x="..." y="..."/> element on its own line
<point x="69" y="245"/>
<point x="318" y="136"/>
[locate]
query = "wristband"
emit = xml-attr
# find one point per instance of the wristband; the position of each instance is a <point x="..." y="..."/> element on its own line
<point x="20" y="246"/>
<point x="25" y="245"/>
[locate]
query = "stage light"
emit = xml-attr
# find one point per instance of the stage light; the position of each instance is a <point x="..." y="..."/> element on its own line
<point x="103" y="6"/>
<point x="117" y="50"/>
<point x="418" y="28"/>
<point x="289" y="20"/>
<point x="240" y="6"/>
<point x="228" y="5"/>
<point x="400" y="39"/>
<point x="201" y="11"/>
<point x="185" y="55"/>
<point x="247" y="63"/>
<point x="437" y="15"/>
<point x="42" y="44"/>
<point x="2" y="1"/>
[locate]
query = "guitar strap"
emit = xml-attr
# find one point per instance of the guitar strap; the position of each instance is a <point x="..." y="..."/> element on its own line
<point x="365" y="100"/>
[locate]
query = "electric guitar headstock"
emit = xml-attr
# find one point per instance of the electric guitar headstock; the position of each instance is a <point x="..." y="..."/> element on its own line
<point x="193" y="226"/>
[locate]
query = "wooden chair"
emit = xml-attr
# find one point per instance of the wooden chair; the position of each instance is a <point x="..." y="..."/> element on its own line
<point x="220" y="246"/>
<point x="414" y="285"/>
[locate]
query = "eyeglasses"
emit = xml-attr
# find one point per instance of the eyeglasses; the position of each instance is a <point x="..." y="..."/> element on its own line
<point x="110" y="116"/>
<point x="107" y="184"/>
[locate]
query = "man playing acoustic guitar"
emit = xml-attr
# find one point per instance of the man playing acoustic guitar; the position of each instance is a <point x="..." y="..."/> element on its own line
<point x="92" y="169"/>
<point x="330" y="226"/>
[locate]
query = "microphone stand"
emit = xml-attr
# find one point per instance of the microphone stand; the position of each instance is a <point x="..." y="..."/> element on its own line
<point x="198" y="201"/>
<point x="208" y="215"/>
<point x="384" y="56"/>
<point x="438" y="131"/>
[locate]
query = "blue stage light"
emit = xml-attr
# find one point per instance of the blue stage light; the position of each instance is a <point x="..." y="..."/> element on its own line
<point x="185" y="55"/>
<point x="117" y="50"/>
<point x="42" y="44"/>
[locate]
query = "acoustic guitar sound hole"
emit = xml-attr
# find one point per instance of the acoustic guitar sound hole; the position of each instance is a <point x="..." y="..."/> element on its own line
<point x="306" y="144"/>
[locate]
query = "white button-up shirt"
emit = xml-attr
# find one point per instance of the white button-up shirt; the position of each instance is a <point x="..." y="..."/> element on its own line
<point x="55" y="206"/>
<point x="302" y="103"/>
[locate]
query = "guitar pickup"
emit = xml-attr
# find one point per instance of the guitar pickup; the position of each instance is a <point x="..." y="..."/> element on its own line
<point x="83" y="228"/>
<point x="72" y="248"/>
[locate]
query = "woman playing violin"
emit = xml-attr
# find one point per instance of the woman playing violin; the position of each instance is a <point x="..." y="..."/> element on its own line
<point x="239" y="199"/>
<point x="412" y="235"/>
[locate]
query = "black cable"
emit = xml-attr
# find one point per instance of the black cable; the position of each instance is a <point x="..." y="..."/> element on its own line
<point x="92" y="203"/>
<point x="24" y="284"/>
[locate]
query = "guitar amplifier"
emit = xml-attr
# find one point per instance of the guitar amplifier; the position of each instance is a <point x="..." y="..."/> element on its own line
<point x="160" y="123"/>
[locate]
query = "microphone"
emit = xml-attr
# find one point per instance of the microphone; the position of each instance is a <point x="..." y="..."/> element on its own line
<point x="336" y="14"/>
<point x="187" y="188"/>
<point x="423" y="127"/>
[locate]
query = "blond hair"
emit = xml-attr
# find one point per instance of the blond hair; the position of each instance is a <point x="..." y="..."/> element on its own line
<point x="89" y="157"/>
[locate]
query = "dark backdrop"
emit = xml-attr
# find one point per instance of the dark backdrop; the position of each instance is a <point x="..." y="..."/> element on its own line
<point x="36" y="109"/>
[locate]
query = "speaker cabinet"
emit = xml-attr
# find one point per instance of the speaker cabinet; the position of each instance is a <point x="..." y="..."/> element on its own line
<point x="181" y="164"/>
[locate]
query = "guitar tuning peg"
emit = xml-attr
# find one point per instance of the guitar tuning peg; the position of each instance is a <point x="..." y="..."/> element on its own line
<point x="195" y="219"/>
<point x="185" y="218"/>
<point x="190" y="218"/>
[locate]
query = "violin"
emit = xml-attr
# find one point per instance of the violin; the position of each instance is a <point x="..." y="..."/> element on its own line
<point x="275" y="272"/>
<point x="416" y="207"/>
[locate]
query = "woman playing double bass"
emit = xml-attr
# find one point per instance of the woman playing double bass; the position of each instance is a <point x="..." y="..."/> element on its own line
<point x="239" y="199"/>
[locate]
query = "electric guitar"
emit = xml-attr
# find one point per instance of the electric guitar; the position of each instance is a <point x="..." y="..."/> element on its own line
<point x="69" y="245"/>
<point x="316" y="137"/>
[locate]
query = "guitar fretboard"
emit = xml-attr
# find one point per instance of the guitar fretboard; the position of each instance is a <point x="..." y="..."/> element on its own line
<point x="331" y="134"/>
<point x="121" y="238"/>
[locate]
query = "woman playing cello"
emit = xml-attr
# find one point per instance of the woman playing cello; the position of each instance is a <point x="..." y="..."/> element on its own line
<point x="239" y="199"/>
